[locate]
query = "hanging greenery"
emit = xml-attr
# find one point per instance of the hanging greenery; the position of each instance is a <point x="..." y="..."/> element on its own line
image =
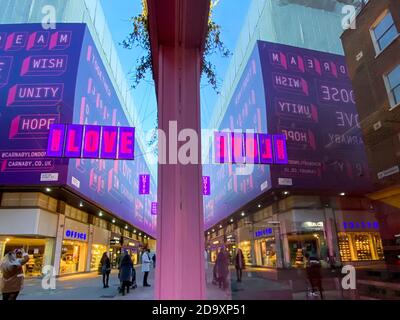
<point x="139" y="37"/>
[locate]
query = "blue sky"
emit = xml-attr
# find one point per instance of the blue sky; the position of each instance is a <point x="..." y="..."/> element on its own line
<point x="230" y="14"/>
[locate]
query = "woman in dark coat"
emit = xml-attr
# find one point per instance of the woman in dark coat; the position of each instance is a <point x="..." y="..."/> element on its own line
<point x="239" y="264"/>
<point x="222" y="269"/>
<point x="314" y="275"/>
<point x="125" y="273"/>
<point x="105" y="269"/>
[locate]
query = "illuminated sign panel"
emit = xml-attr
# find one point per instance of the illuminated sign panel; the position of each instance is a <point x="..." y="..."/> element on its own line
<point x="206" y="186"/>
<point x="301" y="105"/>
<point x="246" y="148"/>
<point x="144" y="184"/>
<point x="58" y="79"/>
<point x="85" y="141"/>
<point x="38" y="72"/>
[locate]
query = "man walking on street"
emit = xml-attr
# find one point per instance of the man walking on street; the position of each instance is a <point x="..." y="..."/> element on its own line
<point x="146" y="262"/>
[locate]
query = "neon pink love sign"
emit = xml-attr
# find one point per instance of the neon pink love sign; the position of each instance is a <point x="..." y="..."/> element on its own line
<point x="91" y="142"/>
<point x="253" y="148"/>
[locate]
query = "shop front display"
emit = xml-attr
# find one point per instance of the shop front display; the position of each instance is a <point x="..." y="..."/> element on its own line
<point x="36" y="249"/>
<point x="97" y="253"/>
<point x="115" y="249"/>
<point x="265" y="250"/>
<point x="245" y="246"/>
<point x="303" y="245"/>
<point x="360" y="246"/>
<point x="73" y="257"/>
<point x="100" y="244"/>
<point x="74" y="247"/>
<point x="359" y="237"/>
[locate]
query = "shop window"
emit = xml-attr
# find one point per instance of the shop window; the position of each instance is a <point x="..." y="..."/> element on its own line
<point x="73" y="257"/>
<point x="384" y="32"/>
<point x="392" y="81"/>
<point x="360" y="246"/>
<point x="36" y="249"/>
<point x="97" y="253"/>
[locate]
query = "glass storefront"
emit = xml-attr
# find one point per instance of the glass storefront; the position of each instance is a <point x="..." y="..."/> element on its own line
<point x="311" y="244"/>
<point x="245" y="246"/>
<point x="97" y="253"/>
<point x="265" y="250"/>
<point x="73" y="257"/>
<point x="360" y="246"/>
<point x="36" y="249"/>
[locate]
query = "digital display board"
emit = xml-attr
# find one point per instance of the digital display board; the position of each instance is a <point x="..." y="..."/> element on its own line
<point x="57" y="77"/>
<point x="305" y="97"/>
<point x="310" y="100"/>
<point x="233" y="185"/>
<point x="113" y="184"/>
<point x="38" y="69"/>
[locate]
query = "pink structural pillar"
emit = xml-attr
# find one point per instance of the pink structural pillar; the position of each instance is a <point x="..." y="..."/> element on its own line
<point x="177" y="35"/>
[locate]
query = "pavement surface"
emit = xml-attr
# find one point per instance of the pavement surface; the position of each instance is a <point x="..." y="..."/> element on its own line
<point x="254" y="286"/>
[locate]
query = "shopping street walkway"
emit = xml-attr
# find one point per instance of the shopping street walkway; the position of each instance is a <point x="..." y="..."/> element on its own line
<point x="256" y="285"/>
<point x="87" y="287"/>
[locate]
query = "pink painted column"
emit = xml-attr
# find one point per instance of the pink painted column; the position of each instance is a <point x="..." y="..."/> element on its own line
<point x="180" y="235"/>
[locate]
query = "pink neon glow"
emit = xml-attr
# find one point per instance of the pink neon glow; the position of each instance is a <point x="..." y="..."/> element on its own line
<point x="267" y="151"/>
<point x="237" y="143"/>
<point x="221" y="155"/>
<point x="25" y="66"/>
<point x="92" y="141"/>
<point x="71" y="145"/>
<point x="251" y="148"/>
<point x="126" y="142"/>
<point x="14" y="127"/>
<point x="301" y="64"/>
<point x="56" y="141"/>
<point x="280" y="149"/>
<point x="110" y="140"/>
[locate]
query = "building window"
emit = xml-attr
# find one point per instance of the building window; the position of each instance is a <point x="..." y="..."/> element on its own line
<point x="393" y="85"/>
<point x="384" y="32"/>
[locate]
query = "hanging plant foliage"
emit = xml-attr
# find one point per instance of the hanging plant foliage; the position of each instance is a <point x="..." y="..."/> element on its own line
<point x="139" y="37"/>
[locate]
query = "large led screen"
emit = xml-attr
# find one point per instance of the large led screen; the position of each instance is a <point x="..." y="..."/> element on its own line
<point x="57" y="76"/>
<point x="113" y="184"/>
<point x="233" y="185"/>
<point x="37" y="85"/>
<point x="310" y="99"/>
<point x="307" y="96"/>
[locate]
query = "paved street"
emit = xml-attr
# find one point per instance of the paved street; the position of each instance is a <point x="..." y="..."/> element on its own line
<point x="86" y="287"/>
<point x="255" y="286"/>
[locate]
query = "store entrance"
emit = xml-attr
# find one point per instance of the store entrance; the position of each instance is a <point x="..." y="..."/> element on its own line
<point x="313" y="244"/>
<point x="73" y="257"/>
<point x="35" y="249"/>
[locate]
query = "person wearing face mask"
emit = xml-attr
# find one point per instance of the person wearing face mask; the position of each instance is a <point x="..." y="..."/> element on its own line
<point x="12" y="279"/>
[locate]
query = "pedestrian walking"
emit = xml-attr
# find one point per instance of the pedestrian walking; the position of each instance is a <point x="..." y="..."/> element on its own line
<point x="146" y="261"/>
<point x="125" y="272"/>
<point x="239" y="264"/>
<point x="154" y="260"/>
<point x="222" y="269"/>
<point x="314" y="275"/>
<point x="105" y="269"/>
<point x="12" y="280"/>
<point x="133" y="283"/>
